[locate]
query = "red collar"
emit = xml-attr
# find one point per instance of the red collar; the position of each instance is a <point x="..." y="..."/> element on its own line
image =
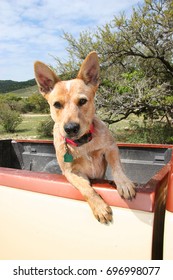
<point x="83" y="140"/>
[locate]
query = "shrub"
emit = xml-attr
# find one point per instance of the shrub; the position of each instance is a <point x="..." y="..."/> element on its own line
<point x="36" y="103"/>
<point x="151" y="132"/>
<point x="45" y="128"/>
<point x="14" y="101"/>
<point x="10" y="119"/>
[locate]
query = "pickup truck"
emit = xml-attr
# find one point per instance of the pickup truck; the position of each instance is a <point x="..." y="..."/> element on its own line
<point x="43" y="216"/>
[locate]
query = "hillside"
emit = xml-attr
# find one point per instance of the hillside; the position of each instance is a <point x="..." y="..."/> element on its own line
<point x="25" y="92"/>
<point x="9" y="86"/>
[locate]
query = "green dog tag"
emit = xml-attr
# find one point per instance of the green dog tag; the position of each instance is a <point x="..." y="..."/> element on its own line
<point x="68" y="157"/>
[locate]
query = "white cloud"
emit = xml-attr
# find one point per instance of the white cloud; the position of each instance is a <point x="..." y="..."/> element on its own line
<point x="30" y="30"/>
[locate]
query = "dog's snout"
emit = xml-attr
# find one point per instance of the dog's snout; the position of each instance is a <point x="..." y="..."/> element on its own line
<point x="71" y="128"/>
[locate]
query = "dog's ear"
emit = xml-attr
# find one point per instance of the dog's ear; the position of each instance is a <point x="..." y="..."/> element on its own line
<point x="45" y="77"/>
<point x="89" y="71"/>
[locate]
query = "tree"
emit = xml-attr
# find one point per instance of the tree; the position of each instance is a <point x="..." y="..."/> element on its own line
<point x="136" y="62"/>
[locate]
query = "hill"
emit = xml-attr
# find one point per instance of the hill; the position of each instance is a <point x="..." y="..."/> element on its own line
<point x="25" y="92"/>
<point x="9" y="86"/>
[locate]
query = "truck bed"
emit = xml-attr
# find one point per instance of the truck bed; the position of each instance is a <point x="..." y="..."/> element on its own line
<point x="45" y="217"/>
<point x="140" y="162"/>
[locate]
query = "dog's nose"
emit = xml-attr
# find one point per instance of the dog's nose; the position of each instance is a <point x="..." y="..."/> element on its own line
<point x="71" y="128"/>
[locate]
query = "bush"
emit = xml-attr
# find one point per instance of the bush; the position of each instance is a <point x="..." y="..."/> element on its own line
<point x="45" y="128"/>
<point x="14" y="101"/>
<point x="158" y="133"/>
<point x="36" y="104"/>
<point x="10" y="119"/>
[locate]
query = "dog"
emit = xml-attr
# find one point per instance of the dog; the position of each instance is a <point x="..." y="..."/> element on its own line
<point x="83" y="143"/>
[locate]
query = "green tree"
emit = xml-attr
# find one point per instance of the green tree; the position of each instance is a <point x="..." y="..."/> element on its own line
<point x="136" y="62"/>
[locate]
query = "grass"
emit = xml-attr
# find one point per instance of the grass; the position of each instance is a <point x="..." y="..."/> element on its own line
<point x="27" y="129"/>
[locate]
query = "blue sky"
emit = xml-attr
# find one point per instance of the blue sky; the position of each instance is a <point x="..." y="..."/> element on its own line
<point x="31" y="30"/>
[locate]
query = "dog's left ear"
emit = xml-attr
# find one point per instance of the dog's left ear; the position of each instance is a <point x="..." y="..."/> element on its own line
<point x="89" y="71"/>
<point x="45" y="77"/>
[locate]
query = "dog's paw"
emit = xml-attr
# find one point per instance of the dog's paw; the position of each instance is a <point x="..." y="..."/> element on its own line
<point x="126" y="189"/>
<point x="103" y="214"/>
<point x="101" y="210"/>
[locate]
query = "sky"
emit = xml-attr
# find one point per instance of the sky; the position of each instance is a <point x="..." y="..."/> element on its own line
<point x="32" y="30"/>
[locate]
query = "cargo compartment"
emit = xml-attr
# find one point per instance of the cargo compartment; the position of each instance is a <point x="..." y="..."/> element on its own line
<point x="44" y="217"/>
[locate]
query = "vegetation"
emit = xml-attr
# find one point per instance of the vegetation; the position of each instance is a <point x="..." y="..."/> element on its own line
<point x="136" y="63"/>
<point x="158" y="133"/>
<point x="9" y="118"/>
<point x="8" y="85"/>
<point x="45" y="128"/>
<point x="136" y="74"/>
<point x="27" y="129"/>
<point x="12" y="106"/>
<point x="36" y="104"/>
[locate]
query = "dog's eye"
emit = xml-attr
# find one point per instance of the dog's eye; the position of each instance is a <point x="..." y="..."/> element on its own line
<point x="82" y="101"/>
<point x="57" y="105"/>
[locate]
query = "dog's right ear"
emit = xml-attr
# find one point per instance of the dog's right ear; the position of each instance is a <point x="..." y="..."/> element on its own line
<point x="45" y="77"/>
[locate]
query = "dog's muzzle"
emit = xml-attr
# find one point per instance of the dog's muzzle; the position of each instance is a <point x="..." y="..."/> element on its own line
<point x="71" y="129"/>
<point x="87" y="137"/>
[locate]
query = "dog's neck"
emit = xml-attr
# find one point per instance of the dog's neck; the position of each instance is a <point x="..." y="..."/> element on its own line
<point x="82" y="140"/>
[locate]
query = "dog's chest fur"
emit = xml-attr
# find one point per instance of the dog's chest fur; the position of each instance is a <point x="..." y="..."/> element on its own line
<point x="93" y="163"/>
<point x="88" y="158"/>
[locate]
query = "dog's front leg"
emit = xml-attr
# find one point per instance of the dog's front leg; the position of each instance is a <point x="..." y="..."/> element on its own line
<point x="101" y="210"/>
<point x="125" y="187"/>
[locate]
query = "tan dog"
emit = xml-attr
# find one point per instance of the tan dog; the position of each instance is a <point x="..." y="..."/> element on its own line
<point x="82" y="141"/>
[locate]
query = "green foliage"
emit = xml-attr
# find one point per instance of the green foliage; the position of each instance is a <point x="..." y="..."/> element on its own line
<point x="14" y="101"/>
<point x="159" y="133"/>
<point x="45" y="128"/>
<point x="9" y="118"/>
<point x="36" y="103"/>
<point x="136" y="62"/>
